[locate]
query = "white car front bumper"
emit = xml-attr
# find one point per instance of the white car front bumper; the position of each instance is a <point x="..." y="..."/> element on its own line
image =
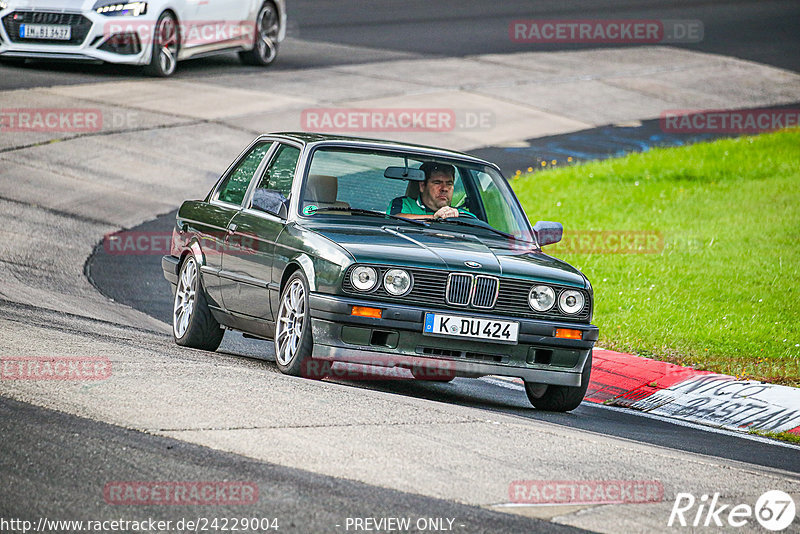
<point x="94" y="46"/>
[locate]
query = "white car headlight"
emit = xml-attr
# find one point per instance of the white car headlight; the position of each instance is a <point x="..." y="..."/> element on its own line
<point x="571" y="301"/>
<point x="397" y="282"/>
<point x="124" y="9"/>
<point x="363" y="278"/>
<point x="541" y="298"/>
<point x="3" y="4"/>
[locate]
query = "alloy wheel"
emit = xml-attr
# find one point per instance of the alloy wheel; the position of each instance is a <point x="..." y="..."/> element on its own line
<point x="167" y="44"/>
<point x="267" y="28"/>
<point x="185" y="297"/>
<point x="291" y="322"/>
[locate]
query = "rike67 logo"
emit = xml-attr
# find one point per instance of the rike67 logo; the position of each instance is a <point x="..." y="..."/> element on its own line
<point x="774" y="510"/>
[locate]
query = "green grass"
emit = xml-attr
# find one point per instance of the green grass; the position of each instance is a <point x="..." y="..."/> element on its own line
<point x="783" y="436"/>
<point x="723" y="293"/>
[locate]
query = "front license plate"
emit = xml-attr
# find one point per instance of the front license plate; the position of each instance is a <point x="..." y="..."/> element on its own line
<point x="437" y="324"/>
<point x="57" y="32"/>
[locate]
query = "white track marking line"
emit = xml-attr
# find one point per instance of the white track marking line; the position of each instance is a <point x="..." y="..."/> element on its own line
<point x="512" y="383"/>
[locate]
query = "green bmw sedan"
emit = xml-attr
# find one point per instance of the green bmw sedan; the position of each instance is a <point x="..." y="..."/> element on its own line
<point x="377" y="253"/>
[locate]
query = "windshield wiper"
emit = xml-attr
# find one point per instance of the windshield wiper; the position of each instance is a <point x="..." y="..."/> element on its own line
<point x="360" y="211"/>
<point x="475" y="223"/>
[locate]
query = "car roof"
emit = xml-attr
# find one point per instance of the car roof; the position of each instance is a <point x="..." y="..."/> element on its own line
<point x="311" y="138"/>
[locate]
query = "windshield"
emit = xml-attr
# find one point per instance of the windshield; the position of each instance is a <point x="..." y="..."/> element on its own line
<point x="340" y="179"/>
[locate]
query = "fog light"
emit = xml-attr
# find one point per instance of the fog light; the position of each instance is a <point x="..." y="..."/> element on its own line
<point x="364" y="311"/>
<point x="122" y="43"/>
<point x="568" y="333"/>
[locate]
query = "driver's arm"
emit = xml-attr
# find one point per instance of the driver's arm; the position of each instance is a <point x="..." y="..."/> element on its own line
<point x="414" y="216"/>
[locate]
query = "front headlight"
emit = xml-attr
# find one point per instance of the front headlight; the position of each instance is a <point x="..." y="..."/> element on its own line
<point x="571" y="301"/>
<point x="397" y="282"/>
<point x="541" y="298"/>
<point x="3" y="5"/>
<point x="110" y="9"/>
<point x="363" y="278"/>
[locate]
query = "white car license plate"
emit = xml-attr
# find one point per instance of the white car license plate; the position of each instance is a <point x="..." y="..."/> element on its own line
<point x="58" y="32"/>
<point x="437" y="324"/>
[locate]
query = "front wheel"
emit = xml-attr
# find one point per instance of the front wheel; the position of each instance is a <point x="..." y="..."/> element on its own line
<point x="265" y="43"/>
<point x="166" y="41"/>
<point x="192" y="322"/>
<point x="559" y="398"/>
<point x="293" y="342"/>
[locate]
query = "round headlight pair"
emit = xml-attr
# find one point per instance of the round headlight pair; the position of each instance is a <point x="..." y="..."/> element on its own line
<point x="396" y="282"/>
<point x="542" y="298"/>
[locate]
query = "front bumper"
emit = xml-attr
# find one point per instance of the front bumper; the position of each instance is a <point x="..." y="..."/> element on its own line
<point x="102" y="29"/>
<point x="169" y="265"/>
<point x="396" y="339"/>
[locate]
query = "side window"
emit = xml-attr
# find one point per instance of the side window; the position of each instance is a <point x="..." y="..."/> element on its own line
<point x="498" y="213"/>
<point x="459" y="194"/>
<point x="280" y="173"/>
<point x="234" y="186"/>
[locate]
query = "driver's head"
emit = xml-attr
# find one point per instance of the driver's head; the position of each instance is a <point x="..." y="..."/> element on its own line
<point x="437" y="189"/>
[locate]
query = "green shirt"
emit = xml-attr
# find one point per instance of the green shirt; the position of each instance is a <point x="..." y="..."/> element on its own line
<point x="414" y="206"/>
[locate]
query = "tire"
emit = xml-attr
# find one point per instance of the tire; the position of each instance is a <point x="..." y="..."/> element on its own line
<point x="559" y="398"/>
<point x="12" y="61"/>
<point x="265" y="43"/>
<point x="293" y="340"/>
<point x="192" y="322"/>
<point x="166" y="41"/>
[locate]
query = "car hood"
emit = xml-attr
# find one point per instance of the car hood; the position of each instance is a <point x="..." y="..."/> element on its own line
<point x="69" y="5"/>
<point x="447" y="249"/>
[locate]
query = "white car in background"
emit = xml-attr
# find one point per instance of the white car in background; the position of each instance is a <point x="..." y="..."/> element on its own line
<point x="153" y="33"/>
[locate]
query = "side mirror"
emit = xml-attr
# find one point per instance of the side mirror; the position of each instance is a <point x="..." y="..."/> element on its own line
<point x="548" y="232"/>
<point x="404" y="173"/>
<point x="272" y="202"/>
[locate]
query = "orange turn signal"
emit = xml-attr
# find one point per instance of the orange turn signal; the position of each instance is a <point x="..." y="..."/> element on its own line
<point x="363" y="311"/>
<point x="568" y="333"/>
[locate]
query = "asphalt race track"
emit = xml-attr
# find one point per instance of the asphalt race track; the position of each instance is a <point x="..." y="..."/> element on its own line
<point x="323" y="453"/>
<point x="137" y="280"/>
<point x="762" y="31"/>
<point x="97" y="451"/>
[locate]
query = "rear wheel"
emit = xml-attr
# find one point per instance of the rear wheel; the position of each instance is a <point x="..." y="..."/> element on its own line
<point x="559" y="398"/>
<point x="165" y="45"/>
<point x="192" y="322"/>
<point x="265" y="45"/>
<point x="293" y="342"/>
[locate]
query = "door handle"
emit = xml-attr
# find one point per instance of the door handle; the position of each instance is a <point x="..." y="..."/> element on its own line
<point x="232" y="228"/>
